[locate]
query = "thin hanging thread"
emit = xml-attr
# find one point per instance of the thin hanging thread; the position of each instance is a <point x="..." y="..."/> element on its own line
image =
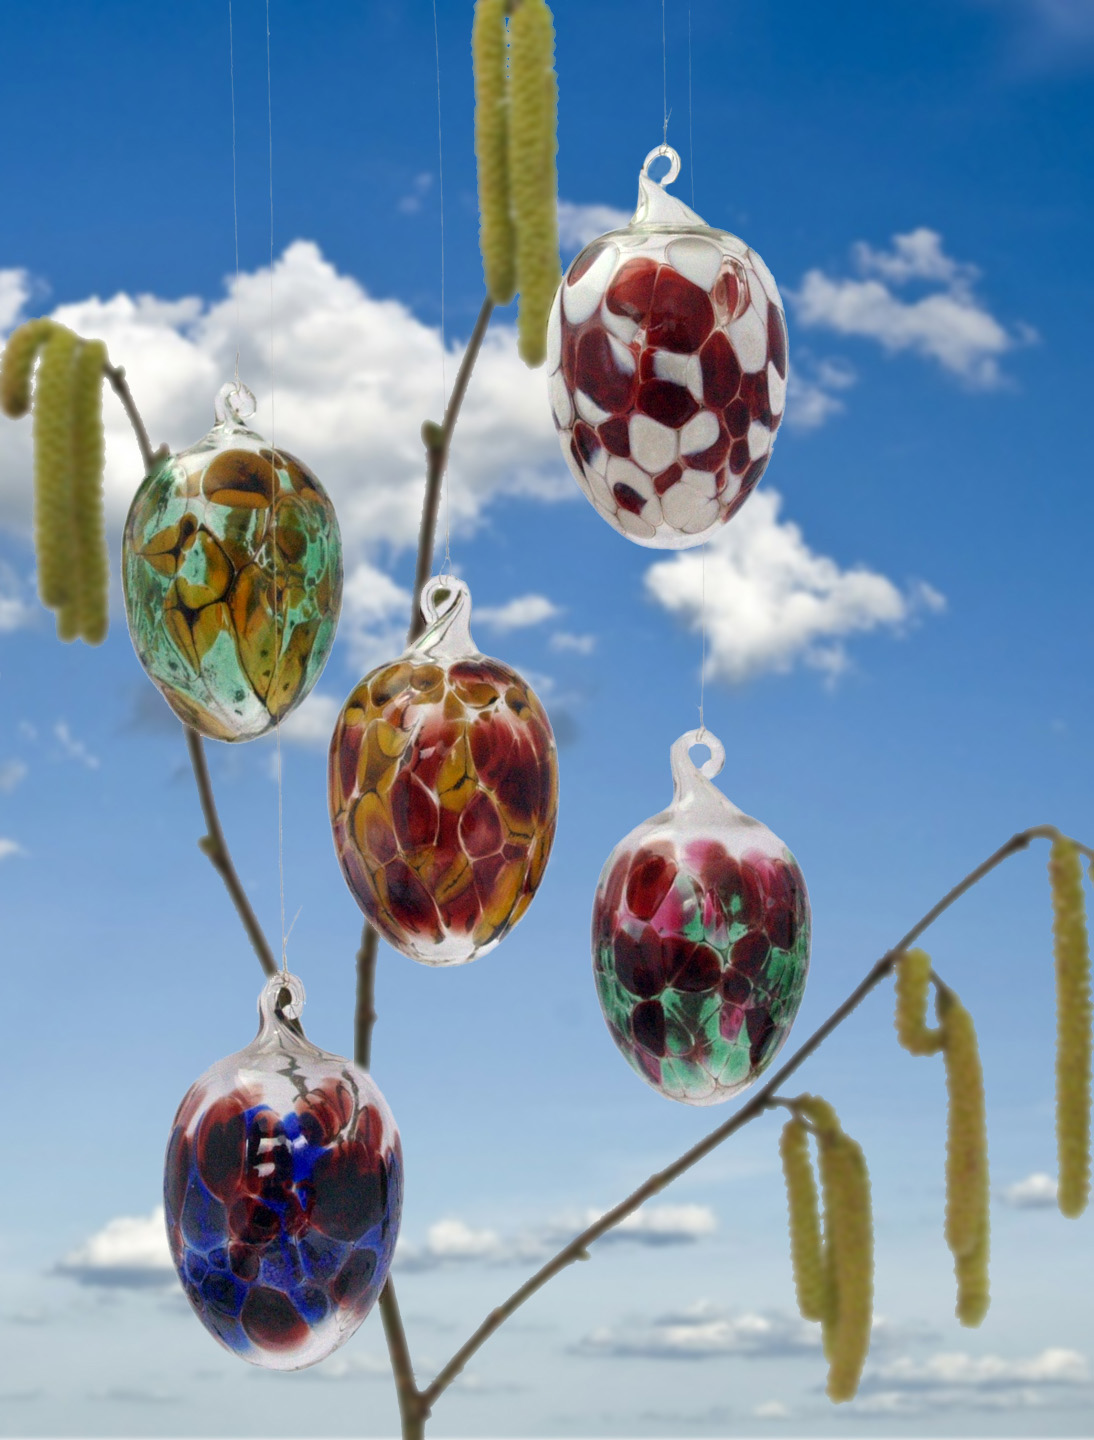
<point x="703" y="626"/>
<point x="444" y="378"/>
<point x="235" y="193"/>
<point x="691" y="133"/>
<point x="664" y="75"/>
<point x="273" y="535"/>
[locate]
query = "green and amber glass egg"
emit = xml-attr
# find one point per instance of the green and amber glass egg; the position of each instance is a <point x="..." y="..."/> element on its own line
<point x="232" y="574"/>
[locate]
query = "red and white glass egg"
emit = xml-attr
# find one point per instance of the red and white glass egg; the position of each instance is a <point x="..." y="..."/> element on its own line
<point x="667" y="365"/>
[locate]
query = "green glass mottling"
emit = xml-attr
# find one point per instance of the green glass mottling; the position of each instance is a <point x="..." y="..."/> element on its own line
<point x="232" y="574"/>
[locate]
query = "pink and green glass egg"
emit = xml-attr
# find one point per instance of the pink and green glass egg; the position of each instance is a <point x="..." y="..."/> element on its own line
<point x="667" y="365"/>
<point x="700" y="933"/>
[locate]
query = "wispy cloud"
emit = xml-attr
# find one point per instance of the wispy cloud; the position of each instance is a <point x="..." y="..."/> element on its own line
<point x="773" y="603"/>
<point x="563" y="640"/>
<point x="411" y="203"/>
<point x="12" y="774"/>
<point x="947" y="325"/>
<point x="578" y="224"/>
<point x="129" y="1252"/>
<point x="14" y="293"/>
<point x="73" y="748"/>
<point x="8" y="848"/>
<point x="973" y="1382"/>
<point x="1035" y="1192"/>
<point x="453" y="1242"/>
<point x="704" y="1331"/>
<point x="517" y="614"/>
<point x="16" y="608"/>
<point x="814" y="391"/>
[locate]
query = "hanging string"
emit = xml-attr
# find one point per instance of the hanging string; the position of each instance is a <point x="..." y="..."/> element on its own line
<point x="273" y="528"/>
<point x="444" y="379"/>
<point x="703" y="625"/>
<point x="691" y="133"/>
<point x="664" y="75"/>
<point x="235" y="194"/>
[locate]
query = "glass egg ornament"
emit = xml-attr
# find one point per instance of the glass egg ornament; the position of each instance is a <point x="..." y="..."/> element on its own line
<point x="667" y="365"/>
<point x="283" y="1189"/>
<point x="232" y="576"/>
<point x="700" y="939"/>
<point x="443" y="789"/>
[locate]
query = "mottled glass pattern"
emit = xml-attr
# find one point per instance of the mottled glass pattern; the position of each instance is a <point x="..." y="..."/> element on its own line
<point x="700" y="940"/>
<point x="667" y="358"/>
<point x="232" y="573"/>
<point x="283" y="1190"/>
<point x="443" y="787"/>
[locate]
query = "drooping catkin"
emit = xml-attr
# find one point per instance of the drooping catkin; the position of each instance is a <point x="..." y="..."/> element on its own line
<point x="497" y="241"/>
<point x="913" y="978"/>
<point x="15" y="369"/>
<point x="533" y="177"/>
<point x="967" y="1198"/>
<point x="806" y="1253"/>
<point x="54" y="540"/>
<point x="1073" y="1020"/>
<point x="92" y="565"/>
<point x="848" y="1249"/>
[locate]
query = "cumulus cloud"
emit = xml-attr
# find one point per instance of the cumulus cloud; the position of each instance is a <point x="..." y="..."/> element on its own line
<point x="129" y="1252"/>
<point x="703" y="1331"/>
<point x="982" y="1382"/>
<point x="948" y="325"/>
<point x="14" y="293"/>
<point x="355" y="377"/>
<point x="518" y="613"/>
<point x="772" y="602"/>
<point x="578" y="224"/>
<point x="1035" y="1192"/>
<point x="452" y="1241"/>
<point x="813" y="391"/>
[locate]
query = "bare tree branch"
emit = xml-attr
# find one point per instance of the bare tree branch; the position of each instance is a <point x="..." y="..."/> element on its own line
<point x="118" y="383"/>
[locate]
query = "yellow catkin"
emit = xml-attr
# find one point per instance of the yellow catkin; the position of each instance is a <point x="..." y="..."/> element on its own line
<point x="18" y="362"/>
<point x="967" y="1215"/>
<point x="496" y="238"/>
<point x="1072" y="1028"/>
<point x="805" y="1235"/>
<point x="848" y="1249"/>
<point x="533" y="177"/>
<point x="53" y="521"/>
<point x="913" y="978"/>
<point x="92" y="564"/>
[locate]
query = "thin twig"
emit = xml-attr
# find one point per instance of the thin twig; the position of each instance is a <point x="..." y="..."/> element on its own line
<point x="215" y="846"/>
<point x="365" y="1015"/>
<point x="763" y="1100"/>
<point x="412" y="1407"/>
<point x="116" y="375"/>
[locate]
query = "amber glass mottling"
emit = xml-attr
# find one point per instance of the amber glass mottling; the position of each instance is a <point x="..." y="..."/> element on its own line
<point x="443" y="788"/>
<point x="232" y="572"/>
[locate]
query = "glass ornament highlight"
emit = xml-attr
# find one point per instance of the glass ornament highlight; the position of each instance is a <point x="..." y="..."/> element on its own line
<point x="667" y="358"/>
<point x="283" y="1189"/>
<point x="700" y="939"/>
<point x="232" y="574"/>
<point x="443" y="789"/>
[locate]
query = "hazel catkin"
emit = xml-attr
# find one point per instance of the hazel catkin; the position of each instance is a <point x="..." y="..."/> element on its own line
<point x="1073" y="1041"/>
<point x="806" y="1254"/>
<point x="53" y="521"/>
<point x="913" y="978"/>
<point x="533" y="177"/>
<point x="967" y="1190"/>
<point x="92" y="565"/>
<point x="496" y="238"/>
<point x="18" y="363"/>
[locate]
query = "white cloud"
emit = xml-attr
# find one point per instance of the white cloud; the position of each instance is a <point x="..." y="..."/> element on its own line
<point x="312" y="724"/>
<point x="355" y="377"/>
<point x="772" y="603"/>
<point x="16" y="610"/>
<point x="1035" y="1192"/>
<point x="453" y="1241"/>
<point x="771" y="1410"/>
<point x="813" y="392"/>
<point x="14" y="293"/>
<point x="73" y="748"/>
<point x="982" y="1382"/>
<point x="12" y="774"/>
<point x="129" y="1252"/>
<point x="578" y="224"/>
<point x="411" y="202"/>
<point x="8" y="848"/>
<point x="704" y="1331"/>
<point x="948" y="325"/>
<point x="517" y="614"/>
<point x="579" y="644"/>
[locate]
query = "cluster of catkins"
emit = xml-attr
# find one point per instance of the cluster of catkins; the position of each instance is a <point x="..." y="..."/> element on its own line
<point x="833" y="1258"/>
<point x="516" y="108"/>
<point x="68" y="469"/>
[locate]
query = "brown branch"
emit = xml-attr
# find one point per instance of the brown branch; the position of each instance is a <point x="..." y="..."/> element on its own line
<point x="413" y="1409"/>
<point x="763" y="1100"/>
<point x="118" y="383"/>
<point x="365" y="1015"/>
<point x="215" y="846"/>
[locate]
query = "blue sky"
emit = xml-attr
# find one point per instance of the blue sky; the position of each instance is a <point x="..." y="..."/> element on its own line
<point x="899" y="667"/>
